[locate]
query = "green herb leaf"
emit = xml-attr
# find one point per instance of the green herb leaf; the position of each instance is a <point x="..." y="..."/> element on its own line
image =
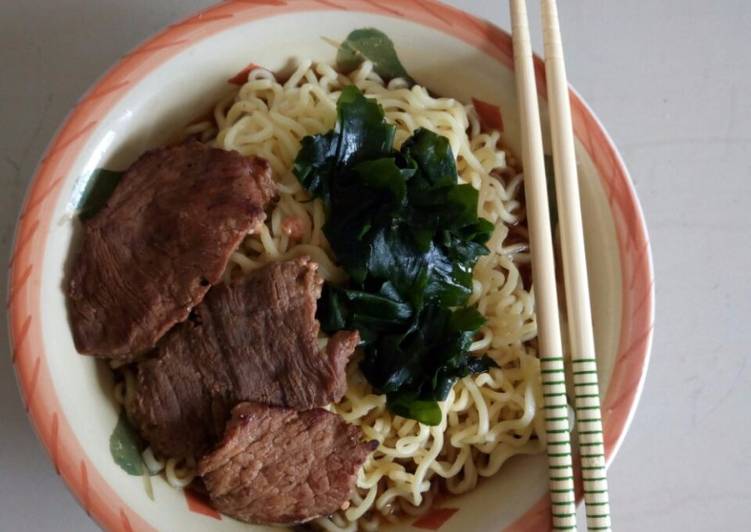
<point x="363" y="132"/>
<point x="432" y="155"/>
<point x="362" y="135"/>
<point x="384" y="175"/>
<point x="374" y="45"/>
<point x="99" y="188"/>
<point x="466" y="319"/>
<point x="339" y="308"/>
<point x="409" y="406"/>
<point x="408" y="236"/>
<point x="125" y="447"/>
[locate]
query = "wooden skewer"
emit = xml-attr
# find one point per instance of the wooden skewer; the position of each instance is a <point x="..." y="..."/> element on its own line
<point x="560" y="464"/>
<point x="584" y="362"/>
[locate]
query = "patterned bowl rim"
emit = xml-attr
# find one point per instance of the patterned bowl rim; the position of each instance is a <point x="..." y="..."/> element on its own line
<point x="100" y="500"/>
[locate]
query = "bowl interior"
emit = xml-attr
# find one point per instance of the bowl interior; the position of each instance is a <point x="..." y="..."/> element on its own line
<point x="165" y="98"/>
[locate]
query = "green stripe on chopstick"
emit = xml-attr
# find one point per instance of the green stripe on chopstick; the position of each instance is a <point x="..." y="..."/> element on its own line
<point x="543" y="263"/>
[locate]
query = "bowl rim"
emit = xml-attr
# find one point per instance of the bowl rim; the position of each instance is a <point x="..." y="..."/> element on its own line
<point x="34" y="379"/>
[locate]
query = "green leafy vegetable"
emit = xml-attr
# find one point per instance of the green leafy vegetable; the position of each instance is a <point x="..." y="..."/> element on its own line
<point x="98" y="190"/>
<point x="374" y="45"/>
<point x="125" y="447"/>
<point x="408" y="405"/>
<point x="409" y="236"/>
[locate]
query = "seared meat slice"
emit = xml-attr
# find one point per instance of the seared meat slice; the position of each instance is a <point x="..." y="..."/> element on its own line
<point x="255" y="339"/>
<point x="279" y="466"/>
<point x="163" y="238"/>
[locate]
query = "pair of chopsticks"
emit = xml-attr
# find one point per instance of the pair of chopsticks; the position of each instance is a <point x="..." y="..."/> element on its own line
<point x="584" y="365"/>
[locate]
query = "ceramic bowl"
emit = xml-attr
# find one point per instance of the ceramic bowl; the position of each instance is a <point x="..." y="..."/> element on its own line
<point x="157" y="88"/>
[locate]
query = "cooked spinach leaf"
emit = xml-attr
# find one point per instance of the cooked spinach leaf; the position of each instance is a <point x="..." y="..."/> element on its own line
<point x="408" y="236"/>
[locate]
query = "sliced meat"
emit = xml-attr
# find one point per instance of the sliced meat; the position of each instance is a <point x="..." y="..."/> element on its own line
<point x="279" y="466"/>
<point x="255" y="339"/>
<point x="164" y="236"/>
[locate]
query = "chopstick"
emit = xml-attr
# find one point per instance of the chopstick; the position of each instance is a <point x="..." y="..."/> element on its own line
<point x="557" y="429"/>
<point x="584" y="362"/>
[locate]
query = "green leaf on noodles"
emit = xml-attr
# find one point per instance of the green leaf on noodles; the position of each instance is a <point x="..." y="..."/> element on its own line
<point x="125" y="447"/>
<point x="374" y="45"/>
<point x="408" y="236"/>
<point x="408" y="405"/>
<point x="99" y="188"/>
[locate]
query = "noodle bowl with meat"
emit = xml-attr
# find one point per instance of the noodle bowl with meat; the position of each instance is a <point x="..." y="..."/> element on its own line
<point x="487" y="417"/>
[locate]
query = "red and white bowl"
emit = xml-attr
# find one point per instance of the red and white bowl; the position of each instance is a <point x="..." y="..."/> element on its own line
<point x="157" y="88"/>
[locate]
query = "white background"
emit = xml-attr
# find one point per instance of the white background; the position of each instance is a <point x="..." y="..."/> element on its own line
<point x="671" y="80"/>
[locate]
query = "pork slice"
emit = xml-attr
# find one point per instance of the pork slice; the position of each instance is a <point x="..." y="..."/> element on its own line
<point x="255" y="339"/>
<point x="162" y="239"/>
<point x="276" y="465"/>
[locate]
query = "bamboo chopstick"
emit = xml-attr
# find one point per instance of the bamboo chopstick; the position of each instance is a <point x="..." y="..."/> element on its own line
<point x="557" y="429"/>
<point x="584" y="363"/>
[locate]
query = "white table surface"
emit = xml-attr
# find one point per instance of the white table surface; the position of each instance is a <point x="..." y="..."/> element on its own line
<point x="670" y="79"/>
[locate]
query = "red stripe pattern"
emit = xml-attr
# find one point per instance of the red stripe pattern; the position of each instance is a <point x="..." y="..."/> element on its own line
<point x="201" y="19"/>
<point x="104" y="92"/>
<point x="32" y="384"/>
<point x="330" y="3"/>
<point x="23" y="240"/>
<point x="53" y="442"/>
<point x="85" y="498"/>
<point x="21" y="338"/>
<point x="125" y="521"/>
<point x="63" y="143"/>
<point x="155" y="47"/>
<point x="18" y="285"/>
<point x="432" y="12"/>
<point x="385" y="9"/>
